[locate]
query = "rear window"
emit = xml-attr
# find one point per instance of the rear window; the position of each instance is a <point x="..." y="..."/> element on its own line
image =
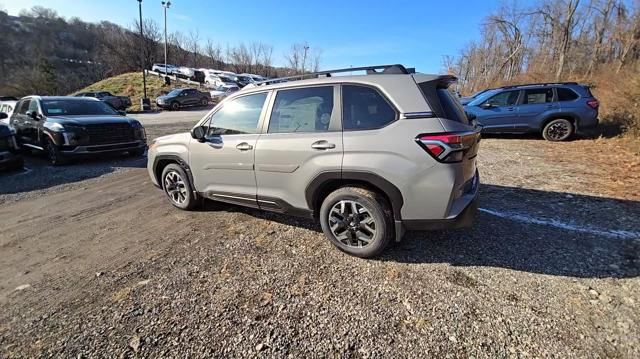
<point x="565" y="94"/>
<point x="452" y="108"/>
<point x="364" y="108"/>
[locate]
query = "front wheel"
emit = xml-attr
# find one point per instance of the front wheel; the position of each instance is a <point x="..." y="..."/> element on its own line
<point x="558" y="130"/>
<point x="357" y="221"/>
<point x="204" y="101"/>
<point x="175" y="105"/>
<point x="177" y="187"/>
<point x="55" y="156"/>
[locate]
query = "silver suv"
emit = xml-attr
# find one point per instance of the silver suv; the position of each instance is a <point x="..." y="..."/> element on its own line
<point x="368" y="156"/>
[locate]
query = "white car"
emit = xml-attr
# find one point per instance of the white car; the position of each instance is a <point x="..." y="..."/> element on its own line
<point x="7" y="107"/>
<point x="254" y="77"/>
<point x="170" y="69"/>
<point x="185" y="72"/>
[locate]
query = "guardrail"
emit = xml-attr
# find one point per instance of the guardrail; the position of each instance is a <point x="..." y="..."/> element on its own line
<point x="175" y="78"/>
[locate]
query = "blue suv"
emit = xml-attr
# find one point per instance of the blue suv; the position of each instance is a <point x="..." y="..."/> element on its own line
<point x="556" y="110"/>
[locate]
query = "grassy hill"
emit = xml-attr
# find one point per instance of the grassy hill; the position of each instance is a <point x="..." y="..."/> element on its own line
<point x="130" y="84"/>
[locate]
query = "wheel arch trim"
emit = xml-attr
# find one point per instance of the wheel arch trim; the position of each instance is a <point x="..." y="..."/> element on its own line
<point x="315" y="187"/>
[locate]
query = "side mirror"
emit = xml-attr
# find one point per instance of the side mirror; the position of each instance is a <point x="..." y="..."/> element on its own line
<point x="33" y="115"/>
<point x="3" y="116"/>
<point x="470" y="116"/>
<point x="486" y="105"/>
<point x="198" y="133"/>
<point x="122" y="113"/>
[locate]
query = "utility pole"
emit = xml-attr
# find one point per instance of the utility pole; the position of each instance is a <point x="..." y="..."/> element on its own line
<point x="304" y="58"/>
<point x="145" y="100"/>
<point x="165" y="5"/>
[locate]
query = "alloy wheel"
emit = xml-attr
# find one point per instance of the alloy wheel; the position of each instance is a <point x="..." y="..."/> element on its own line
<point x="175" y="187"/>
<point x="352" y="223"/>
<point x="558" y="131"/>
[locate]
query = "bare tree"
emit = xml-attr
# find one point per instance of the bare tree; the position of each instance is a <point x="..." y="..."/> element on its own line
<point x="193" y="42"/>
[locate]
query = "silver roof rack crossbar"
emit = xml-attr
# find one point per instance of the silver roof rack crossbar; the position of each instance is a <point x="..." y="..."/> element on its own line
<point x="379" y="69"/>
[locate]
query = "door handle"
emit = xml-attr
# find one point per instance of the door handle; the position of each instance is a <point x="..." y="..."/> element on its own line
<point x="322" y="145"/>
<point x="244" y="146"/>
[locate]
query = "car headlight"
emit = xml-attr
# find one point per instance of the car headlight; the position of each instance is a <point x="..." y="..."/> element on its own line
<point x="54" y="126"/>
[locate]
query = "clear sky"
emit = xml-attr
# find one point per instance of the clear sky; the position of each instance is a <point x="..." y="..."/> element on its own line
<point x="349" y="32"/>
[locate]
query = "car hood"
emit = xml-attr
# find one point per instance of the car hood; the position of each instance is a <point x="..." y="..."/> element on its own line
<point x="182" y="138"/>
<point x="164" y="97"/>
<point x="217" y="93"/>
<point x="89" y="120"/>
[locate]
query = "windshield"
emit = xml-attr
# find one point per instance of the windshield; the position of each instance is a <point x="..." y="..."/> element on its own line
<point x="244" y="78"/>
<point x="73" y="107"/>
<point x="174" y="93"/>
<point x="483" y="97"/>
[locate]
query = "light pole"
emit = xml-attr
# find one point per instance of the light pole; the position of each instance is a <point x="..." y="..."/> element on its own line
<point x="165" y="5"/>
<point x="144" y="100"/>
<point x="304" y="58"/>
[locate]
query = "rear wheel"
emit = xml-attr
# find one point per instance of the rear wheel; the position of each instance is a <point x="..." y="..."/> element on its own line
<point x="357" y="221"/>
<point x="175" y="105"/>
<point x="559" y="129"/>
<point x="177" y="187"/>
<point x="55" y="156"/>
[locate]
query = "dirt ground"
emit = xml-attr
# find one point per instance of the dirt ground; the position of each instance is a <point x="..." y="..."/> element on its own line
<point x="96" y="263"/>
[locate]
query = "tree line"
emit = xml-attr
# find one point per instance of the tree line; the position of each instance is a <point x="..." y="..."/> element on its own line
<point x="552" y="40"/>
<point x="43" y="53"/>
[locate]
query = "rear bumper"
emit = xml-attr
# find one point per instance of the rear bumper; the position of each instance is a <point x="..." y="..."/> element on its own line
<point x="98" y="149"/>
<point x="463" y="220"/>
<point x="462" y="212"/>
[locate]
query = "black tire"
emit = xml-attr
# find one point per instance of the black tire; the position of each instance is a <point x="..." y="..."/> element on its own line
<point x="375" y="206"/>
<point x="175" y="106"/>
<point x="137" y="153"/>
<point x="184" y="198"/>
<point x="55" y="157"/>
<point x="559" y="129"/>
<point x="204" y="101"/>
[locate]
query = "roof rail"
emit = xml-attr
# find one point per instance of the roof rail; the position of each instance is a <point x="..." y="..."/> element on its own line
<point x="540" y="84"/>
<point x="386" y="69"/>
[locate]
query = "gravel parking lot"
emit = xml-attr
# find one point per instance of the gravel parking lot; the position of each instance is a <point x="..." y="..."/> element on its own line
<point x="96" y="263"/>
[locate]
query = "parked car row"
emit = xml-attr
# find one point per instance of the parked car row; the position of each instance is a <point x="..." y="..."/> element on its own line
<point x="554" y="110"/>
<point x="66" y="127"/>
<point x="209" y="77"/>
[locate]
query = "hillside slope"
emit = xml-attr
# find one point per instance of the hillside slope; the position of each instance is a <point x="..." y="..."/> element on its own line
<point x="130" y="84"/>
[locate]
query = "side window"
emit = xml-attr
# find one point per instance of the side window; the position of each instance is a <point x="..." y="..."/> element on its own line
<point x="536" y="96"/>
<point x="565" y="94"/>
<point x="302" y="110"/>
<point x="23" y="106"/>
<point x="239" y="116"/>
<point x="33" y="106"/>
<point x="506" y="98"/>
<point x="365" y="109"/>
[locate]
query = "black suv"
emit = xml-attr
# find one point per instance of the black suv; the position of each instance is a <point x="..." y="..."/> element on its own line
<point x="9" y="155"/>
<point x="183" y="97"/>
<point x="65" y="126"/>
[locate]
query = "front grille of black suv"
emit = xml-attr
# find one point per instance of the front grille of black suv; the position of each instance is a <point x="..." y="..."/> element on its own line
<point x="109" y="133"/>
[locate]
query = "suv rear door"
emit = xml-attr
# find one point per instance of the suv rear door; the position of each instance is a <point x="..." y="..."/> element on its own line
<point x="223" y="165"/>
<point x="302" y="139"/>
<point x="536" y="105"/>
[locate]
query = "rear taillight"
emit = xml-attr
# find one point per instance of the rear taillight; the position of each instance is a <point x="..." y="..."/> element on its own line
<point x="593" y="104"/>
<point x="448" y="147"/>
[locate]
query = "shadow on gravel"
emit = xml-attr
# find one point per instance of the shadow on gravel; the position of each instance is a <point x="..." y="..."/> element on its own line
<point x="39" y="174"/>
<point x="578" y="236"/>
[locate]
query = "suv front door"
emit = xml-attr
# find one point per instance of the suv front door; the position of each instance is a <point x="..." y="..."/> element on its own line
<point x="302" y="139"/>
<point x="223" y="165"/>
<point x="499" y="113"/>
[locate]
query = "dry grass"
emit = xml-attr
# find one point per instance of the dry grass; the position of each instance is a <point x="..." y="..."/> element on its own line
<point x="130" y="84"/>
